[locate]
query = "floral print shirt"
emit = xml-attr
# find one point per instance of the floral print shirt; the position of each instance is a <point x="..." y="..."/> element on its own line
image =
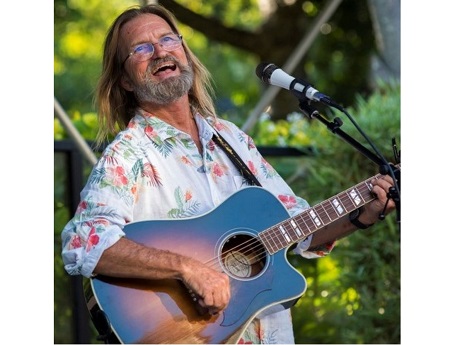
<point x="154" y="171"/>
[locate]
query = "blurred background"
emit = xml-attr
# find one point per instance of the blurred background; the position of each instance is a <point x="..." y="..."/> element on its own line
<point x="349" y="50"/>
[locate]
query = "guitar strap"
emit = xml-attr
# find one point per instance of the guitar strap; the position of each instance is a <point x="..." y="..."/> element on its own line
<point x="243" y="168"/>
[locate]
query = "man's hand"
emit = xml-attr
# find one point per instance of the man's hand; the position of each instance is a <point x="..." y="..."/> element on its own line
<point x="371" y="211"/>
<point x="212" y="287"/>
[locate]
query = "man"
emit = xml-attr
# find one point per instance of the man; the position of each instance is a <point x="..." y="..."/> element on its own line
<point x="166" y="163"/>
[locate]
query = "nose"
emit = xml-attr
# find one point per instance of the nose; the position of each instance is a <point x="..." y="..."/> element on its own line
<point x="159" y="51"/>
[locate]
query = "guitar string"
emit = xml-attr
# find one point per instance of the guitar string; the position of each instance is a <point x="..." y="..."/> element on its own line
<point x="249" y="250"/>
<point x="254" y="248"/>
<point x="258" y="249"/>
<point x="285" y="225"/>
<point x="257" y="254"/>
<point x="326" y="207"/>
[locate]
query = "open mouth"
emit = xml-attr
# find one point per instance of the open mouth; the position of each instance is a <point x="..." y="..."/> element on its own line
<point x="165" y="68"/>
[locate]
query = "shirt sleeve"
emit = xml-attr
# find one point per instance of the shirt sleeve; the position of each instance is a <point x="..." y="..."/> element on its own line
<point x="94" y="228"/>
<point x="106" y="206"/>
<point x="303" y="249"/>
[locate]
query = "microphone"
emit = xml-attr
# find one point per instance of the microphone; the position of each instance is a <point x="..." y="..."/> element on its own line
<point x="271" y="74"/>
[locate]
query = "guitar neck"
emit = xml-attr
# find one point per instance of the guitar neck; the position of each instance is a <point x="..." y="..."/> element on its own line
<point x="297" y="228"/>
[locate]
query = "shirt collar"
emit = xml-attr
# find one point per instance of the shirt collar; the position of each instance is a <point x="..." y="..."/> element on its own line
<point x="158" y="130"/>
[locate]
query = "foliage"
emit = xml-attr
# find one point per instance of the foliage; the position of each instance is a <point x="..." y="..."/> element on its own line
<point x="339" y="61"/>
<point x="78" y="40"/>
<point x="85" y="124"/>
<point x="339" y="54"/>
<point x="79" y="30"/>
<point x="244" y="13"/>
<point x="353" y="294"/>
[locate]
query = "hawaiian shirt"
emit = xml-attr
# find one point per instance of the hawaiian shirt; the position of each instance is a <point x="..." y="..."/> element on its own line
<point x="152" y="170"/>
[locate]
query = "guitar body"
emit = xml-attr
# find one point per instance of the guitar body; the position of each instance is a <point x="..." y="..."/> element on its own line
<point x="164" y="311"/>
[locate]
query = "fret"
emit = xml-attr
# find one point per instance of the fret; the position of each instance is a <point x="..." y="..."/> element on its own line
<point x="293" y="230"/>
<point x="327" y="213"/>
<point x="347" y="202"/>
<point x="334" y="213"/>
<point x="307" y="222"/>
<point x="338" y="206"/>
<point x="268" y="244"/>
<point x="355" y="196"/>
<point x="360" y="192"/>
<point x="314" y="217"/>
<point x="302" y="223"/>
<point x="290" y="231"/>
<point x="276" y="239"/>
<point x="285" y="234"/>
<point x="295" y="227"/>
<point x="368" y="189"/>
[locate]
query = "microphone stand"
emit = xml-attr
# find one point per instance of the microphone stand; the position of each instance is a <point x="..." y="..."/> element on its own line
<point x="384" y="167"/>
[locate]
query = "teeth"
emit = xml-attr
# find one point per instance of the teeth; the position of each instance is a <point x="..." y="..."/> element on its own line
<point x="164" y="66"/>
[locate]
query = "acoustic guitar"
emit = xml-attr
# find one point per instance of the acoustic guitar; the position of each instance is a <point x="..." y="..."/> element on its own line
<point x="247" y="237"/>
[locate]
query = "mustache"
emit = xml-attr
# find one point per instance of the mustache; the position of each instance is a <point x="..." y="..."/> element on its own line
<point x="159" y="61"/>
<point x="167" y="90"/>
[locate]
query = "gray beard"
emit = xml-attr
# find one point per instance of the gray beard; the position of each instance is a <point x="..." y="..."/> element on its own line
<point x="166" y="91"/>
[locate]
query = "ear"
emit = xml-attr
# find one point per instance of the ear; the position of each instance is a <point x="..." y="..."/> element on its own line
<point x="126" y="83"/>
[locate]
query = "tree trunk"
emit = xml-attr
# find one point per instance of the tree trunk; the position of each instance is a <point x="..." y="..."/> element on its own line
<point x="386" y="20"/>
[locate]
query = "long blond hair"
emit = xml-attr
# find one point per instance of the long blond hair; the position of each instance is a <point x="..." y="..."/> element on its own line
<point x="114" y="104"/>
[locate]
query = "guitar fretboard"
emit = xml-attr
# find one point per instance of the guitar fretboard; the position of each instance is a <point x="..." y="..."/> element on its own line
<point x="307" y="222"/>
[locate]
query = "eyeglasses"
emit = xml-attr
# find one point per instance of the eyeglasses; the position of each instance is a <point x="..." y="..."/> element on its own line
<point x="144" y="51"/>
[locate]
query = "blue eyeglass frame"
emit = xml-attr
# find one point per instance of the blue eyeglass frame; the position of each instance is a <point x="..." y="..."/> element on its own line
<point x="152" y="45"/>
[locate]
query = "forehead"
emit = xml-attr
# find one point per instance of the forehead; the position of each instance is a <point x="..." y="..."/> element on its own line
<point x="145" y="24"/>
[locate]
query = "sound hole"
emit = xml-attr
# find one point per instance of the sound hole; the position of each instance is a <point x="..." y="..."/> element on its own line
<point x="243" y="256"/>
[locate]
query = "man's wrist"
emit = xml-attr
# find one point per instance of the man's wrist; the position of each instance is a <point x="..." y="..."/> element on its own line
<point x="354" y="219"/>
